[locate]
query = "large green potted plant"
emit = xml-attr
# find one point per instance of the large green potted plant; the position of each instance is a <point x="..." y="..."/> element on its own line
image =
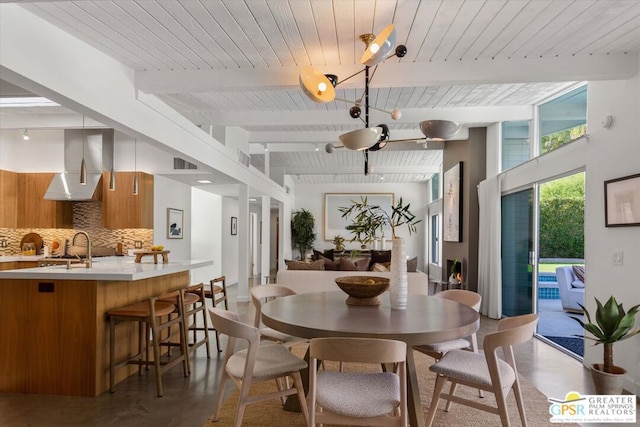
<point x="613" y="324"/>
<point x="367" y="220"/>
<point x="302" y="231"/>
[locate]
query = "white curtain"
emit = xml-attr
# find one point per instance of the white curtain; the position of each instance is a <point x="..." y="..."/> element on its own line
<point x="489" y="248"/>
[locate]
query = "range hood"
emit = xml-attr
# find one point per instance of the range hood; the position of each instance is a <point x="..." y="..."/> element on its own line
<point x="98" y="154"/>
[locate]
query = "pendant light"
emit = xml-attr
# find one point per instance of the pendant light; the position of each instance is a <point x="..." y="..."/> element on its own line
<point x="83" y="164"/>
<point x="135" y="167"/>
<point x="112" y="179"/>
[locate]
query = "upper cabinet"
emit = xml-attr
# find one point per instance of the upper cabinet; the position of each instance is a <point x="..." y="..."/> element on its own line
<point x="9" y="197"/>
<point x="121" y="208"/>
<point x="35" y="212"/>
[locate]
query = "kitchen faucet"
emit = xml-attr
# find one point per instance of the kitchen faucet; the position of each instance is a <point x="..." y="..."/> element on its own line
<point x="73" y="242"/>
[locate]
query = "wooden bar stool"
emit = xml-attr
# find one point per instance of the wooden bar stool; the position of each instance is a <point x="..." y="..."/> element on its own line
<point x="149" y="316"/>
<point x="194" y="303"/>
<point x="217" y="292"/>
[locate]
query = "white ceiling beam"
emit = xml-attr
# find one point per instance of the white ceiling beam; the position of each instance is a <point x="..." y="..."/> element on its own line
<point x="463" y="115"/>
<point x="358" y="170"/>
<point x="45" y="121"/>
<point x="305" y="141"/>
<point x="514" y="70"/>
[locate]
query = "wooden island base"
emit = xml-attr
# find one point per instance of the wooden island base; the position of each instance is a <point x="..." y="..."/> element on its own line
<point x="55" y="333"/>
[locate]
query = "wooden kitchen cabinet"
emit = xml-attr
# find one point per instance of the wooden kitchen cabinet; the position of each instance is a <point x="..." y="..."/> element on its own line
<point x="120" y="208"/>
<point x="9" y="197"/>
<point x="33" y="210"/>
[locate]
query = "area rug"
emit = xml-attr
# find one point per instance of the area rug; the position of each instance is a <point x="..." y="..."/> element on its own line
<point x="270" y="413"/>
<point x="573" y="344"/>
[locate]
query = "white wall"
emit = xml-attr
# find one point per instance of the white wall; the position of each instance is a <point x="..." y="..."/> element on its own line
<point x="605" y="154"/>
<point x="206" y="236"/>
<point x="311" y="197"/>
<point x="171" y="194"/>
<point x="43" y="152"/>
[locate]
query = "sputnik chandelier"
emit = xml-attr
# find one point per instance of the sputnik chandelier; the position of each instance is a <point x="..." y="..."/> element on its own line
<point x="320" y="88"/>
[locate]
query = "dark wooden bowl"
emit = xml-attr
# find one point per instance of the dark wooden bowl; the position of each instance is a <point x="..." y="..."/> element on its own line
<point x="363" y="290"/>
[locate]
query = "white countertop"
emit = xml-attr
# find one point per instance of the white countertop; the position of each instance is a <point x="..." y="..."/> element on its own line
<point x="14" y="258"/>
<point x="104" y="268"/>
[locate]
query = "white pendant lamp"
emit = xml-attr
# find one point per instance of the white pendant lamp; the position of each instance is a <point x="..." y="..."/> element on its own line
<point x="381" y="46"/>
<point x="439" y="130"/>
<point x="360" y="139"/>
<point x="316" y="85"/>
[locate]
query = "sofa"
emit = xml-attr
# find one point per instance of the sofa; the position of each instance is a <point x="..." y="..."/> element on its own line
<point x="571" y="289"/>
<point x="304" y="281"/>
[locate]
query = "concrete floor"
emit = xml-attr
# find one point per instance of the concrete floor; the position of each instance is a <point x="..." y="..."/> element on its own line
<point x="189" y="401"/>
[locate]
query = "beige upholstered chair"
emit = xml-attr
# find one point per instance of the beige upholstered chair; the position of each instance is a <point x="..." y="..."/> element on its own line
<point x="485" y="371"/>
<point x="255" y="364"/>
<point x="467" y="298"/>
<point x="261" y="294"/>
<point x="371" y="398"/>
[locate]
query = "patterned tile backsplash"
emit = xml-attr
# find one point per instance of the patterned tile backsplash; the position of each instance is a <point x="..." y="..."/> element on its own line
<point x="87" y="216"/>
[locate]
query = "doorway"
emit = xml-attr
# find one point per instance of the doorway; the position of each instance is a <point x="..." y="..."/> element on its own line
<point x="561" y="246"/>
<point x="543" y="230"/>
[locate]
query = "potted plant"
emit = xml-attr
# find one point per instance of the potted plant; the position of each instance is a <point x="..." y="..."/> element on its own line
<point x="338" y="242"/>
<point x="367" y="220"/>
<point x="302" y="231"/>
<point x="613" y="324"/>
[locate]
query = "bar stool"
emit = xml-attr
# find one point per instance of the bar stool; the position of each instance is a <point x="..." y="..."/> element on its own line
<point x="149" y="316"/>
<point x="194" y="303"/>
<point x="218" y="294"/>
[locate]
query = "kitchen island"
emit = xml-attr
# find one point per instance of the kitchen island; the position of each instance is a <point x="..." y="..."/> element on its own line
<point x="54" y="327"/>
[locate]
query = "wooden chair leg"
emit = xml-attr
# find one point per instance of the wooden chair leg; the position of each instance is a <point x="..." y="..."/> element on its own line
<point x="437" y="390"/>
<point x="112" y="352"/>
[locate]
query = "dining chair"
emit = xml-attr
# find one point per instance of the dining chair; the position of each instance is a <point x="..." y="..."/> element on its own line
<point x="263" y="293"/>
<point x="254" y="364"/>
<point x="370" y="398"/>
<point x="485" y="371"/>
<point x="437" y="350"/>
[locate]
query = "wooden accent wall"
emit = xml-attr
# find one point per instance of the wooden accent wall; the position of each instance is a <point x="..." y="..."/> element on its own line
<point x="55" y="333"/>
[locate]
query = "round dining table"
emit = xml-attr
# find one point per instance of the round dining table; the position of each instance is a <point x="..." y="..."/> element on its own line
<point x="425" y="320"/>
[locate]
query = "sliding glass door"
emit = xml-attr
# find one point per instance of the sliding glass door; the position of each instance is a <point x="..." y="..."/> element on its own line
<point x="518" y="255"/>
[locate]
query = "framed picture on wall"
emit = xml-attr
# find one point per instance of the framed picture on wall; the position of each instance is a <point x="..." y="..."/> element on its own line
<point x="622" y="201"/>
<point x="174" y="223"/>
<point x="452" y="204"/>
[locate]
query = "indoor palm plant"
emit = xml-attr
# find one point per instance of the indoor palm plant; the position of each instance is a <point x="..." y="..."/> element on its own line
<point x="613" y="324"/>
<point x="302" y="231"/>
<point x="367" y="220"/>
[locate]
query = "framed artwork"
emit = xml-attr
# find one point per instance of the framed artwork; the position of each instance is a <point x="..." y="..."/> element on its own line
<point x="334" y="224"/>
<point x="234" y="225"/>
<point x="622" y="201"/>
<point x="174" y="223"/>
<point x="452" y="201"/>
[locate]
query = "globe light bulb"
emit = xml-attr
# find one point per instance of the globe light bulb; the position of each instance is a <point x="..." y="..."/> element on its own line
<point x="374" y="47"/>
<point x="322" y="86"/>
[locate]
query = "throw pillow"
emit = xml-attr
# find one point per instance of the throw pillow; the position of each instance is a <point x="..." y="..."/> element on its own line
<point x="412" y="265"/>
<point x="577" y="284"/>
<point x="329" y="264"/>
<point x="347" y="265"/>
<point x="327" y="254"/>
<point x="379" y="267"/>
<point x="579" y="272"/>
<point x="379" y="257"/>
<point x="301" y="265"/>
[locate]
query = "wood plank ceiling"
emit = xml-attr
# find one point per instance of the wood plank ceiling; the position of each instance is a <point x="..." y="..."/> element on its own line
<point x="223" y="63"/>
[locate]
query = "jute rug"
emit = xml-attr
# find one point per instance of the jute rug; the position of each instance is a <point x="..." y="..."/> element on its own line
<point x="270" y="413"/>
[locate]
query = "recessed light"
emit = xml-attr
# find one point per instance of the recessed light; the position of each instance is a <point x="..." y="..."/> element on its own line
<point x="205" y="181"/>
